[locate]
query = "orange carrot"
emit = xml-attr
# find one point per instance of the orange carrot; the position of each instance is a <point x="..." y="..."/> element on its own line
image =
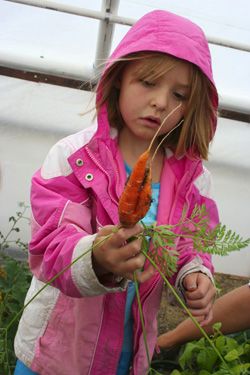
<point x="136" y="197"/>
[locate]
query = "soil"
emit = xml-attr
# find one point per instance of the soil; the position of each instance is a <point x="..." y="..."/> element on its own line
<point x="171" y="314"/>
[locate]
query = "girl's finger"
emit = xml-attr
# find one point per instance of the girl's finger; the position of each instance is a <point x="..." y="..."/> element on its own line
<point x="207" y="318"/>
<point x="126" y="268"/>
<point x="141" y="276"/>
<point x="190" y="282"/>
<point x="131" y="249"/>
<point x="133" y="264"/>
<point x="145" y="275"/>
<point x="200" y="293"/>
<point x="204" y="319"/>
<point x="201" y="311"/>
<point x="106" y="230"/>
<point x="198" y="304"/>
<point x="126" y="252"/>
<point x="124" y="234"/>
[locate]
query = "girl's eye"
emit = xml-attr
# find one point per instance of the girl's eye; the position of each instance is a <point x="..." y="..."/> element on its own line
<point x="180" y="96"/>
<point x="147" y="83"/>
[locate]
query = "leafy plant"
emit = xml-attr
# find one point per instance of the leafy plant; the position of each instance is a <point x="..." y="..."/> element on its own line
<point x="199" y="358"/>
<point x="14" y="281"/>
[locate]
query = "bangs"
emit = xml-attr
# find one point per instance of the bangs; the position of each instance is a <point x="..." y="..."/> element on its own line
<point x="154" y="65"/>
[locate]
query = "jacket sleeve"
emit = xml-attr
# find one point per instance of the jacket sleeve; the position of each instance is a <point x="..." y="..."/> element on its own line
<point x="190" y="260"/>
<point x="62" y="231"/>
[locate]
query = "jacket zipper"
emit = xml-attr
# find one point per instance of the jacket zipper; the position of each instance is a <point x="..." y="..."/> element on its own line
<point x="115" y="169"/>
<point x="91" y="156"/>
<point x="104" y="171"/>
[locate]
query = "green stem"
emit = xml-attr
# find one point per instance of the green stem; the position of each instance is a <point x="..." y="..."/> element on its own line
<point x="141" y="318"/>
<point x="15" y="221"/>
<point x="186" y="309"/>
<point x="153" y="371"/>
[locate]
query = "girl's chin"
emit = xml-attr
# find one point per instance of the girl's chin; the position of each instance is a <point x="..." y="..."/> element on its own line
<point x="145" y="135"/>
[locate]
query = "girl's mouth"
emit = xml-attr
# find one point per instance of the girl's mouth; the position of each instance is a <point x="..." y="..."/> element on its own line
<point x="151" y="121"/>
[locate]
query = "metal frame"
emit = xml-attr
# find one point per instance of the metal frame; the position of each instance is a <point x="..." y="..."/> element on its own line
<point x="105" y="33"/>
<point x="108" y="14"/>
<point x="108" y="18"/>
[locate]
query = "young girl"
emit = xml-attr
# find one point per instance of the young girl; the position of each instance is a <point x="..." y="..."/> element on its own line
<point x="87" y="321"/>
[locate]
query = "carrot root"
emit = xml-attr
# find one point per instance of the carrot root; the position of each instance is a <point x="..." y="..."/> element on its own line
<point x="136" y="197"/>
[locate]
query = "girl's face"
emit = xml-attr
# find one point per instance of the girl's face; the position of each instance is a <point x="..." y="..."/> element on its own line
<point x="145" y="102"/>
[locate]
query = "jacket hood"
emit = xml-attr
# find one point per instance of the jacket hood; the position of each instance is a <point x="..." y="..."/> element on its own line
<point x="165" y="32"/>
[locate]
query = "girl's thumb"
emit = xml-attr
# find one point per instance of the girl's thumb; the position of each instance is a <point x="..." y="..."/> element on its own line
<point x="190" y="282"/>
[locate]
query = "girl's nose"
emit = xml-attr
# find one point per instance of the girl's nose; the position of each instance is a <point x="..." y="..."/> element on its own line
<point x="160" y="100"/>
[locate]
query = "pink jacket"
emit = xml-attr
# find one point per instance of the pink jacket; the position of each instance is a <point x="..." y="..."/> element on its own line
<point x="75" y="326"/>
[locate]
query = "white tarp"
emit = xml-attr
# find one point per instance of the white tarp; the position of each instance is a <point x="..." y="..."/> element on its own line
<point x="65" y="44"/>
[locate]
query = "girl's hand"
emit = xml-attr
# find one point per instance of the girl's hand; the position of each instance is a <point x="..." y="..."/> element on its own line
<point x="200" y="294"/>
<point x="116" y="256"/>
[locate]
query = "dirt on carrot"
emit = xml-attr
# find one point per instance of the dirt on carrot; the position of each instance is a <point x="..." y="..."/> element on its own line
<point x="135" y="200"/>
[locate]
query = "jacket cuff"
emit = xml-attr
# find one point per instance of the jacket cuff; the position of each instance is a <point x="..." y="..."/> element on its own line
<point x="83" y="274"/>
<point x="195" y="265"/>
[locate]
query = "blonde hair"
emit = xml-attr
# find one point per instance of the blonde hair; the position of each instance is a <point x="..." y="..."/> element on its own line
<point x="196" y="132"/>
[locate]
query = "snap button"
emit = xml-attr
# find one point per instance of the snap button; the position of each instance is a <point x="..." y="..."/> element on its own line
<point x="89" y="177"/>
<point x="79" y="162"/>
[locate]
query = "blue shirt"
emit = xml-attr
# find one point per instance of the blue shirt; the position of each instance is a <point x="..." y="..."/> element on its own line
<point x="127" y="348"/>
<point x="22" y="369"/>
